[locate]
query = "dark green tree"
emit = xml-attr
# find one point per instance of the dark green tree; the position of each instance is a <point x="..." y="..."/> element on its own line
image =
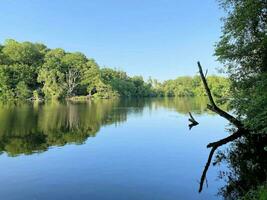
<point x="243" y="51"/>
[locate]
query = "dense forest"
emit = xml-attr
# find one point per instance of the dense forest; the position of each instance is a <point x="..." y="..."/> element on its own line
<point x="33" y="71"/>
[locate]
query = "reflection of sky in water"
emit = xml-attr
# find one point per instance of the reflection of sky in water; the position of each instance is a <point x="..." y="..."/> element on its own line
<point x="142" y="150"/>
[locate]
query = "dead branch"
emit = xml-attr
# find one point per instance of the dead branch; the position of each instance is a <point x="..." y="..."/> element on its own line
<point x="212" y="106"/>
<point x="230" y="138"/>
<point x="192" y="120"/>
<point x="214" y="145"/>
<point x="203" y="177"/>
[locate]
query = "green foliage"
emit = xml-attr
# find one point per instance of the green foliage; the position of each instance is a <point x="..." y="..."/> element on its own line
<point x="192" y="86"/>
<point x="23" y="53"/>
<point x="22" y="91"/>
<point x="19" y="64"/>
<point x="53" y="81"/>
<point x="259" y="194"/>
<point x="36" y="95"/>
<point x="90" y="75"/>
<point x="11" y="78"/>
<point x="243" y="51"/>
<point x="32" y="71"/>
<point x="124" y="85"/>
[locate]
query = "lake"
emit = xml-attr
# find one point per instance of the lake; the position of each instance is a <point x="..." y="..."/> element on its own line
<point x="108" y="149"/>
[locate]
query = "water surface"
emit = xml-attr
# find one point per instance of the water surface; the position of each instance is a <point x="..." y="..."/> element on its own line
<point x="109" y="149"/>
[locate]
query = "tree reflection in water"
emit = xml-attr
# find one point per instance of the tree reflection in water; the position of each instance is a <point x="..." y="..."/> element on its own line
<point x="33" y="128"/>
<point x="247" y="166"/>
<point x="30" y="128"/>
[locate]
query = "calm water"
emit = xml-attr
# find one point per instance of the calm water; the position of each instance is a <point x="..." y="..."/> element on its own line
<point x="112" y="149"/>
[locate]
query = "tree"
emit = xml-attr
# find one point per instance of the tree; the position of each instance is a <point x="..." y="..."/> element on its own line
<point x="22" y="53"/>
<point x="73" y="64"/>
<point x="90" y="75"/>
<point x="243" y="51"/>
<point x="53" y="83"/>
<point x="51" y="75"/>
<point x="19" y="63"/>
<point x="22" y="91"/>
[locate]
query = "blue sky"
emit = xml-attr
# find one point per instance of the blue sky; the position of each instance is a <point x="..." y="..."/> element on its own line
<point x="159" y="38"/>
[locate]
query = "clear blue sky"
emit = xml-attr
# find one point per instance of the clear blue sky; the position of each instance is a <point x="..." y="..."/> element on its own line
<point x="158" y="38"/>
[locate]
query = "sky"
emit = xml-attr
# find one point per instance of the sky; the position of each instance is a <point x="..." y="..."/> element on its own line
<point x="158" y="38"/>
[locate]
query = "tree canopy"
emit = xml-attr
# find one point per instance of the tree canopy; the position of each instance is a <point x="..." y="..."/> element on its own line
<point x="32" y="71"/>
<point x="243" y="51"/>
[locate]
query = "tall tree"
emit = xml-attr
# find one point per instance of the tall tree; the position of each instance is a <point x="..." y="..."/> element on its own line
<point x="19" y="64"/>
<point x="51" y="74"/>
<point x="243" y="51"/>
<point x="73" y="64"/>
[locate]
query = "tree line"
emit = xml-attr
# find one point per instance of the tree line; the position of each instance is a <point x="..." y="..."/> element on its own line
<point x="33" y="71"/>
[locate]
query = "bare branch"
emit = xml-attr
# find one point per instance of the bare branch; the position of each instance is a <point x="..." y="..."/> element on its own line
<point x="212" y="106"/>
<point x="230" y="138"/>
<point x="214" y="145"/>
<point x="203" y="177"/>
<point x="192" y="120"/>
<point x="206" y="85"/>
